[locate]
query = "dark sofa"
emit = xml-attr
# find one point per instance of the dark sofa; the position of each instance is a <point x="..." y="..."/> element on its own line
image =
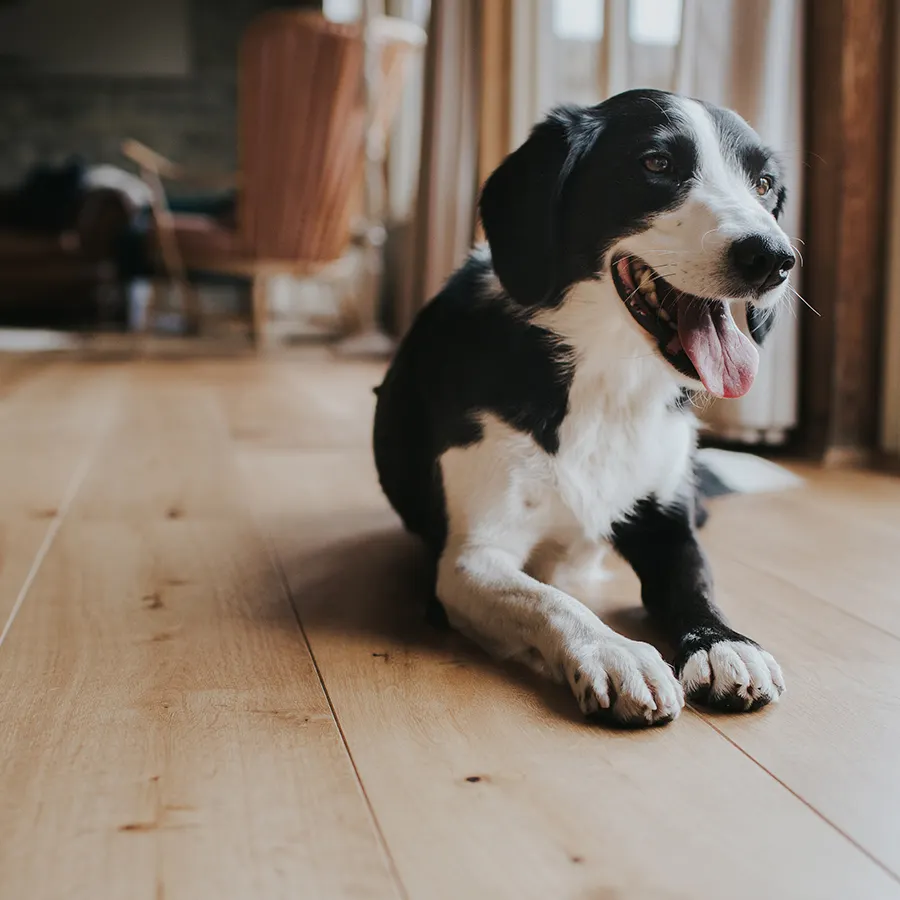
<point x="60" y="245"/>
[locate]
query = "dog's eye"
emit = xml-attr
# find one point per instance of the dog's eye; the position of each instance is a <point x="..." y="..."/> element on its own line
<point x="657" y="164"/>
<point x="763" y="185"/>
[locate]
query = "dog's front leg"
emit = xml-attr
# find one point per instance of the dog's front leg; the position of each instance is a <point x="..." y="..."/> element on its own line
<point x="488" y="597"/>
<point x="717" y="666"/>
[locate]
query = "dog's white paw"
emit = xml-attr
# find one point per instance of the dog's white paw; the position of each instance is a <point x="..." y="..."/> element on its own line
<point x="626" y="681"/>
<point x="734" y="675"/>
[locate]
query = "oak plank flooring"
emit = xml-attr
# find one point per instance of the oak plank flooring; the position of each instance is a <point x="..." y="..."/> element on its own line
<point x="424" y="713"/>
<point x="837" y="540"/>
<point x="164" y="731"/>
<point x="838" y="727"/>
<point x="50" y="419"/>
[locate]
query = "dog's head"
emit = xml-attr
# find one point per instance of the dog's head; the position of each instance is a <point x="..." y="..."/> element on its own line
<point x="676" y="201"/>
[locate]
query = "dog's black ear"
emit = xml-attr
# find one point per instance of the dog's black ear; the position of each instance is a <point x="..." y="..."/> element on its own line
<point x="780" y="199"/>
<point x="520" y="212"/>
<point x="760" y="322"/>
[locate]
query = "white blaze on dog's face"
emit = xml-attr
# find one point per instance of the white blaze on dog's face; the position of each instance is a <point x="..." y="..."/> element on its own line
<point x="676" y="199"/>
<point x="721" y="244"/>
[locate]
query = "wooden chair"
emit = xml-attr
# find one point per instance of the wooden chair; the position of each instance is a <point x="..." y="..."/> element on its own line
<point x="304" y="128"/>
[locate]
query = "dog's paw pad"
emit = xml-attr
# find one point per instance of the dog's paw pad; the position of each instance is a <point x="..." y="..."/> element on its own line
<point x="732" y="675"/>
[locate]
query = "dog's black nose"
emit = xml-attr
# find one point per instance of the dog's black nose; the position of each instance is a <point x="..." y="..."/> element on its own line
<point x="762" y="262"/>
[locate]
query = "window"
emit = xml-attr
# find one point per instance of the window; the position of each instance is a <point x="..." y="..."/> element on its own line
<point x="578" y="20"/>
<point x="578" y="53"/>
<point x="649" y="21"/>
<point x="655" y="22"/>
<point x="342" y="10"/>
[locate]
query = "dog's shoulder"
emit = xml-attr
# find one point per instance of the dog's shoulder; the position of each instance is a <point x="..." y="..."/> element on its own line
<point x="471" y="354"/>
<point x="473" y="350"/>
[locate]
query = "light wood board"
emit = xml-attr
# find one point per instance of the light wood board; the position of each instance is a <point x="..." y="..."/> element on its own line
<point x="168" y="728"/>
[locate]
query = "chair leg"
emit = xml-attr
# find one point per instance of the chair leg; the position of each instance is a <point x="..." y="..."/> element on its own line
<point x="190" y="299"/>
<point x="260" y="311"/>
<point x="151" y="306"/>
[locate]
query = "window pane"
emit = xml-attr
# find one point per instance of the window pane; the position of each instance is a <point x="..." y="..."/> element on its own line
<point x="655" y="21"/>
<point x="342" y="10"/>
<point x="578" y="20"/>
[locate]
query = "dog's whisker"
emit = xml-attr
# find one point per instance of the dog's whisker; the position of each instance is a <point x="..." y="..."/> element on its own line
<point x="786" y="300"/>
<point x="660" y="109"/>
<point x="705" y="236"/>
<point x="804" y="301"/>
<point x="655" y="277"/>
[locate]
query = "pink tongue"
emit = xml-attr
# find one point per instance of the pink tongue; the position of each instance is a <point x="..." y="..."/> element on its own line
<point x="723" y="356"/>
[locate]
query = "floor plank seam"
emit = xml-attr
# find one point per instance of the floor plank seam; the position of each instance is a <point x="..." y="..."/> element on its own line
<point x="285" y="585"/>
<point x="868" y="854"/>
<point x="804" y="590"/>
<point x="275" y="562"/>
<point x="74" y="486"/>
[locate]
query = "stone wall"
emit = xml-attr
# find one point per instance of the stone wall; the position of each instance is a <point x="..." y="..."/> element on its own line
<point x="47" y="118"/>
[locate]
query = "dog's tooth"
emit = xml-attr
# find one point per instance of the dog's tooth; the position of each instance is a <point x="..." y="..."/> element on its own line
<point x="664" y="315"/>
<point x="647" y="285"/>
<point x="651" y="298"/>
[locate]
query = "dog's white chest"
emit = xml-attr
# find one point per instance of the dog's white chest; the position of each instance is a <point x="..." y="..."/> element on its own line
<point x="620" y="441"/>
<point x="609" y="459"/>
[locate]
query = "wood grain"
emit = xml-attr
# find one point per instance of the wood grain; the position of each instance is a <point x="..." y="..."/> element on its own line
<point x="836" y="541"/>
<point x="164" y="731"/>
<point x="50" y="419"/>
<point x="506" y="792"/>
<point x="833" y="739"/>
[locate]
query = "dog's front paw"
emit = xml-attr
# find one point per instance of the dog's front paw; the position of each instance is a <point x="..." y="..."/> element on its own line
<point x="626" y="681"/>
<point x="727" y="671"/>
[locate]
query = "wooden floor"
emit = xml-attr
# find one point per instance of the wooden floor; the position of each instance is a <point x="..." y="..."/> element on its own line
<point x="215" y="681"/>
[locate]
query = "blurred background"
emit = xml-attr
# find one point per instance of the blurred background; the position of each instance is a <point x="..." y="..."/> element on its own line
<point x="253" y="173"/>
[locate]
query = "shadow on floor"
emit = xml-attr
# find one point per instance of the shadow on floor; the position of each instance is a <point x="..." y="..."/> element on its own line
<point x="366" y="579"/>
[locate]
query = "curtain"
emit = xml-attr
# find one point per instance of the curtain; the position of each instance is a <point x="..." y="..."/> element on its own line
<point x="442" y="230"/>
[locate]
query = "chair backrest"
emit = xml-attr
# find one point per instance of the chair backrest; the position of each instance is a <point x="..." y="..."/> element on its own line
<point x="302" y="136"/>
<point x="398" y="43"/>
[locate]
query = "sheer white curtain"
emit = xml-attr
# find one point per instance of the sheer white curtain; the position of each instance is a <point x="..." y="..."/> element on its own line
<point x="744" y="54"/>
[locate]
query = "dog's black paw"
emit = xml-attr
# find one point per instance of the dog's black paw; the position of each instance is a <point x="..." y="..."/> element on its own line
<point x="436" y="615"/>
<point x="725" y="670"/>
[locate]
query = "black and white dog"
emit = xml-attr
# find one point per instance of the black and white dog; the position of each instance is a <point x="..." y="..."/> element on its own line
<point x="539" y="409"/>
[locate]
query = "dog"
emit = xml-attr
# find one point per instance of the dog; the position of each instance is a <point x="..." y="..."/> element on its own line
<point x="540" y="410"/>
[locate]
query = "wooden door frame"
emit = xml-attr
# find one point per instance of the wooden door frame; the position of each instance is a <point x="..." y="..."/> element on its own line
<point x="848" y="99"/>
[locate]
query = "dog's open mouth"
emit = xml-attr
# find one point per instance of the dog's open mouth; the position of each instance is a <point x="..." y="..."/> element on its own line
<point x="696" y="335"/>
